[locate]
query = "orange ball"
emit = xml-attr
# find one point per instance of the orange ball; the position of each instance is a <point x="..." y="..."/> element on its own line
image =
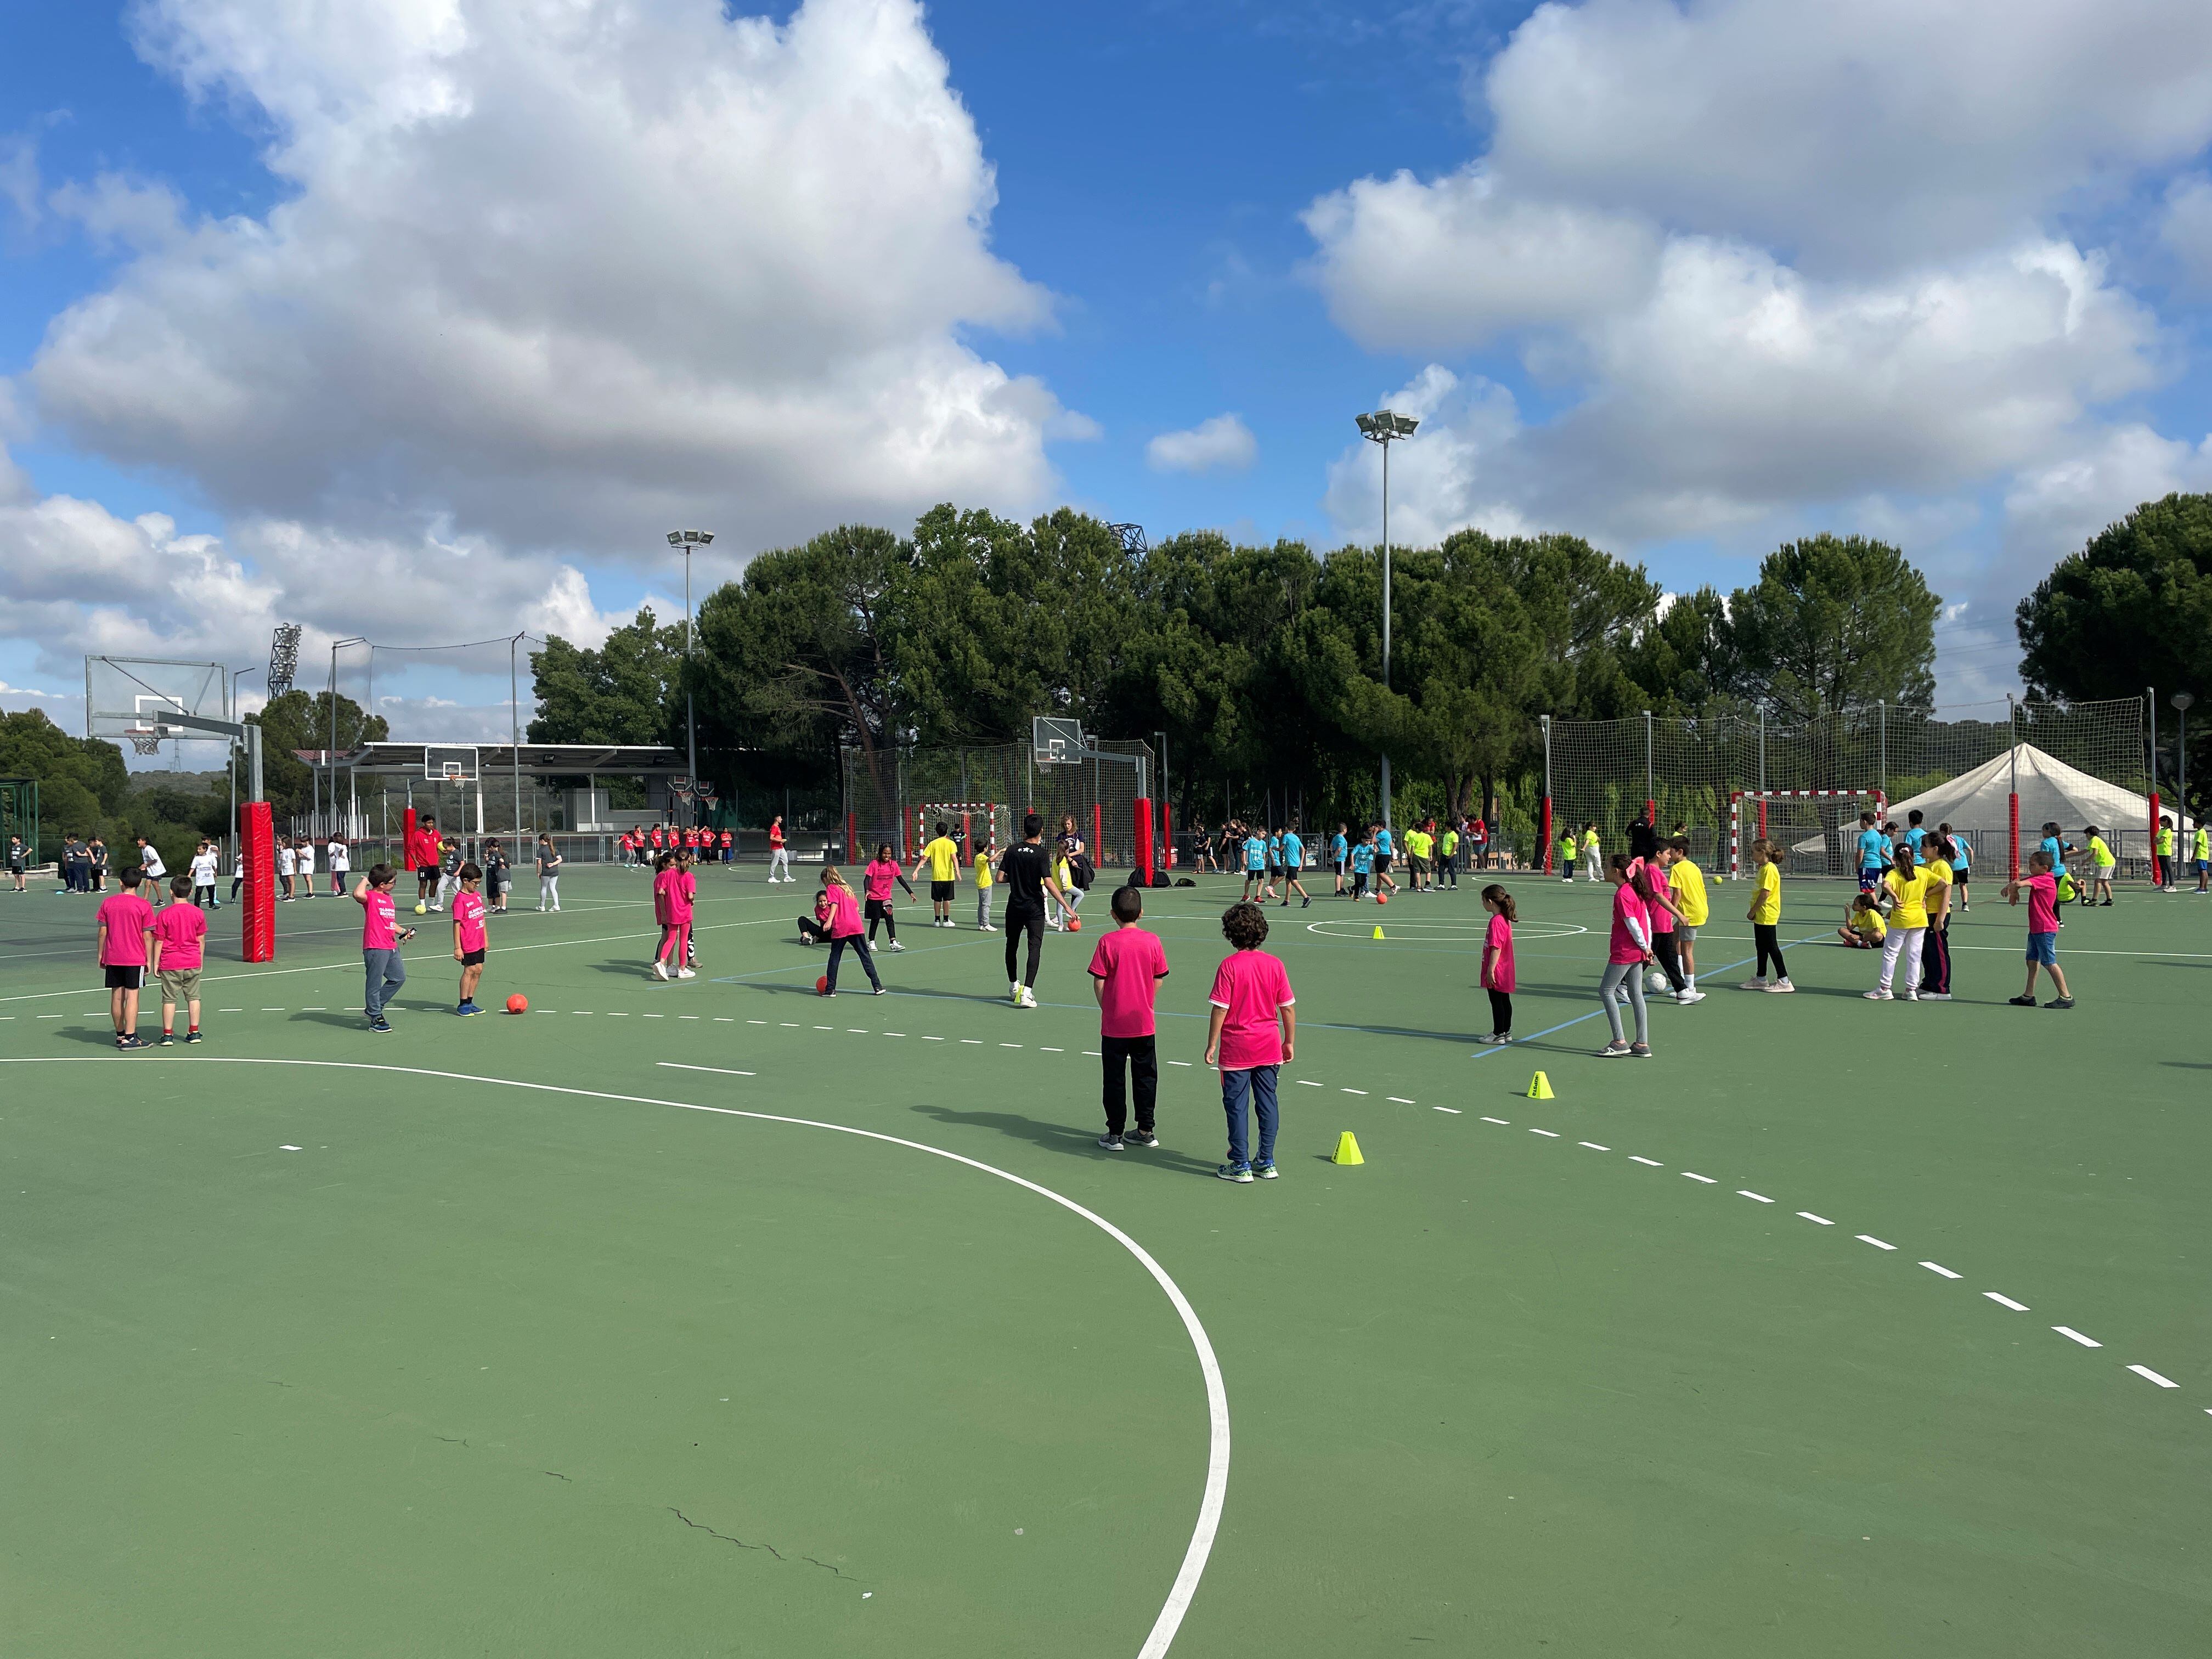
<point x="518" y="1004"/>
<point x="1382" y="898"/>
<point x="822" y="986"/>
<point x="1075" y="924"/>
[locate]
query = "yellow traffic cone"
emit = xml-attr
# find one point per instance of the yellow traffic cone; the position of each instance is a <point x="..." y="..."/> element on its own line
<point x="1378" y="933"/>
<point x="1540" y="1087"/>
<point x="1347" y="1149"/>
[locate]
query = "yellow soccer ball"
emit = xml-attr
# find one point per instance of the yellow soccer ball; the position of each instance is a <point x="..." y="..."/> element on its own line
<point x="422" y="909"/>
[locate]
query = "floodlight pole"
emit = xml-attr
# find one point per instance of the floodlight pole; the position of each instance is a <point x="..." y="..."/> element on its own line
<point x="1385" y="428"/>
<point x="2181" y="699"/>
<point x="687" y="542"/>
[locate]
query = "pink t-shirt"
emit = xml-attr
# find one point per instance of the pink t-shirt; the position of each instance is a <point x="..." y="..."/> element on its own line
<point x="1627" y="908"/>
<point x="663" y="904"/>
<point x="126" y="917"/>
<point x="378" y="932"/>
<point x="1128" y="964"/>
<point x="469" y="917"/>
<point x="1650" y="879"/>
<point x="879" y="877"/>
<point x="178" y="930"/>
<point x="1500" y="939"/>
<point x="682" y="890"/>
<point x="844" y="918"/>
<point x="2042" y="904"/>
<point x="1251" y="985"/>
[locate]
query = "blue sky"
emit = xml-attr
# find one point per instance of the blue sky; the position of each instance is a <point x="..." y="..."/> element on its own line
<point x="364" y="299"/>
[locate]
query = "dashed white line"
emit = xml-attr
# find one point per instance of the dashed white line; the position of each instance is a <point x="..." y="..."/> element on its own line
<point x="1552" y="1133"/>
<point x="2145" y="1371"/>
<point x="1180" y="1062"/>
<point x="895" y="1034"/>
<point x="1497" y="1119"/>
<point x="973" y="1042"/>
<point x="2073" y="1335"/>
<point x="1691" y="1174"/>
<point x="1756" y="1198"/>
<point x="1868" y="1238"/>
<point x="1040" y="1050"/>
<point x="719" y="1019"/>
<point x="756" y="1022"/>
<point x="1010" y="1045"/>
<point x="2006" y="1302"/>
<point x="1453" y="1110"/>
<point x="1399" y="1100"/>
<point x="933" y="1039"/>
<point x="851" y="1031"/>
<point x="290" y="1148"/>
<point x="654" y="1017"/>
<point x="616" y="1014"/>
<point x="788" y="1025"/>
<point x="1817" y="1220"/>
<point x="1094" y="1053"/>
<point x="1938" y="1267"/>
<point x="1653" y="1162"/>
<point x="1348" y="1091"/>
<point x="1307" y="1083"/>
<point x="1593" y="1145"/>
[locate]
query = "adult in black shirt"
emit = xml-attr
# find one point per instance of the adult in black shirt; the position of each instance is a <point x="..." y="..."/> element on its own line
<point x="1025" y="873"/>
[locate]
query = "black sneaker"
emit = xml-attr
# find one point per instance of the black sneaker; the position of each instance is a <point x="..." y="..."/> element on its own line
<point x="2060" y="1002"/>
<point x="1141" y="1138"/>
<point x="134" y="1041"/>
<point x="1111" y="1142"/>
<point x="2023" y="1002"/>
<point x="191" y="1037"/>
<point x="168" y="1041"/>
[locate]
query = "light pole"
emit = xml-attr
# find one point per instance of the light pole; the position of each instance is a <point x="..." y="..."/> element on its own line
<point x="688" y="542"/>
<point x="2181" y="699"/>
<point x="1385" y="428"/>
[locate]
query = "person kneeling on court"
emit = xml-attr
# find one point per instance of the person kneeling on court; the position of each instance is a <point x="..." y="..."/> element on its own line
<point x="1126" y="970"/>
<point x="380" y="938"/>
<point x="1251" y="995"/>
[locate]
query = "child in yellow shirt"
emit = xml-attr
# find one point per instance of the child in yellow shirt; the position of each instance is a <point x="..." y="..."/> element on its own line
<point x="1863" y="929"/>
<point x="985" y="858"/>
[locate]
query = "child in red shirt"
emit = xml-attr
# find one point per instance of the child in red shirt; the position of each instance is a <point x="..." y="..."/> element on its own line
<point x="2041" y="887"/>
<point x="1126" y="970"/>
<point x="1251" y="994"/>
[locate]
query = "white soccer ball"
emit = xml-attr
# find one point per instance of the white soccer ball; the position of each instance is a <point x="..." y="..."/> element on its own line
<point x="1654" y="980"/>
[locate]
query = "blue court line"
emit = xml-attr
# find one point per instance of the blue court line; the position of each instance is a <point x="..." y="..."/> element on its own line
<point x="1598" y="1013"/>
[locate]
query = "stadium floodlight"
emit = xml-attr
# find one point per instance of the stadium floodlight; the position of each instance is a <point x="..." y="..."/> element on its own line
<point x="688" y="542"/>
<point x="284" y="658"/>
<point x="1386" y="427"/>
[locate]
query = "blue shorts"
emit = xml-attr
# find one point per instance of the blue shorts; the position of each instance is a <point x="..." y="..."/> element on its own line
<point x="2043" y="948"/>
<point x="1868" y="880"/>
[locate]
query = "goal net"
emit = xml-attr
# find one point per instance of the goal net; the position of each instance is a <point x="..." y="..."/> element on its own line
<point x="976" y="825"/>
<point x="1817" y="830"/>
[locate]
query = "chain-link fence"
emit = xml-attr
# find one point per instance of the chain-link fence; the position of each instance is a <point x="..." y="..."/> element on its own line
<point x="887" y="789"/>
<point x="1683" y="770"/>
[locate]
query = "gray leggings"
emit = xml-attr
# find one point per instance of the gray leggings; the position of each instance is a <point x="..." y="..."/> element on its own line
<point x="1630" y="974"/>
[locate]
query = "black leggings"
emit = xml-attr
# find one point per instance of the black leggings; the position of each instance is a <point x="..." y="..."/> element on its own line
<point x="1019" y="922"/>
<point x="1669" y="957"/>
<point x="1769" y="937"/>
<point x="880" y="910"/>
<point x="1501" y="1012"/>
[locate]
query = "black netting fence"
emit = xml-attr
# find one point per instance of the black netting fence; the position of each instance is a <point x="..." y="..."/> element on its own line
<point x="895" y="794"/>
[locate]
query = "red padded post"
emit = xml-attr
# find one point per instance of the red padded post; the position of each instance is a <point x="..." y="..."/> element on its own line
<point x="1143" y="829"/>
<point x="257" y="839"/>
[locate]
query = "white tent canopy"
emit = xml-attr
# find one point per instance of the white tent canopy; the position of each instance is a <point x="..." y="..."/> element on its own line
<point x="2049" y="791"/>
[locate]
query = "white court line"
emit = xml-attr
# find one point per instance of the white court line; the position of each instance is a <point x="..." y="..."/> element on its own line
<point x="2145" y="1372"/>
<point x="1593" y="1145"/>
<point x="1349" y="1091"/>
<point x="1306" y="1083"/>
<point x="1453" y="1110"/>
<point x="1938" y="1267"/>
<point x="1041" y="1050"/>
<point x="1653" y="1162"/>
<point x="973" y="1042"/>
<point x="1868" y="1238"/>
<point x="1817" y="1220"/>
<point x="724" y="1071"/>
<point x="756" y="1022"/>
<point x="1553" y="1134"/>
<point x="1756" y="1198"/>
<point x="1691" y="1174"/>
<point x="1397" y="1100"/>
<point x="933" y="1039"/>
<point x="1178" y="1062"/>
<point x="1216" y="1492"/>
<point x="2006" y="1302"/>
<point x="1507" y="1120"/>
<point x="1010" y="1045"/>
<point x="2073" y="1335"/>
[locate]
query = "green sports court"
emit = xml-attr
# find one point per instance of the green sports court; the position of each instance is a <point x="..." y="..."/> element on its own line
<point x="715" y="1317"/>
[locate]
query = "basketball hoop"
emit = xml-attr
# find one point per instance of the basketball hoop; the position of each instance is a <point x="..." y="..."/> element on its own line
<point x="145" y="741"/>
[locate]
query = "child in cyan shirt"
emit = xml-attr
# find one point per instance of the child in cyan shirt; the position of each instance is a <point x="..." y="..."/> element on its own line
<point x="1126" y="970"/>
<point x="1251" y="1035"/>
<point x="470" y="943"/>
<point x="2040" y="885"/>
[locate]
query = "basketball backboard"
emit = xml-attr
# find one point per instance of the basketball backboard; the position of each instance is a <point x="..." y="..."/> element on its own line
<point x="449" y="763"/>
<point x="125" y="697"/>
<point x="1057" y="742"/>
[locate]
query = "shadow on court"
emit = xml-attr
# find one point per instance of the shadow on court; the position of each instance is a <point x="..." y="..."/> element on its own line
<point x="1063" y="1137"/>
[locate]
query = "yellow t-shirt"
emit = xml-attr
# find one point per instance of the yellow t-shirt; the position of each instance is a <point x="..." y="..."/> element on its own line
<point x="982" y="869"/>
<point x="1590" y="841"/>
<point x="2101" y="854"/>
<point x="1910" y="893"/>
<point x="1868" y="924"/>
<point x="2166" y="843"/>
<point x="1418" y="844"/>
<point x="1451" y="842"/>
<point x="1766" y="903"/>
<point x="1688" y="883"/>
<point x="944" y="858"/>
<point x="1939" y="873"/>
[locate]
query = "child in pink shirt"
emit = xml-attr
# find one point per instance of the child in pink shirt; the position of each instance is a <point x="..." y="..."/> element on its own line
<point x="840" y="915"/>
<point x="1498" y="962"/>
<point x="1251" y="1035"/>
<point x="380" y="938"/>
<point x="177" y="932"/>
<point x="124" y="919"/>
<point x="673" y="890"/>
<point x="1126" y="970"/>
<point x="1629" y="950"/>
<point x="876" y="881"/>
<point x="2040" y="887"/>
<point x="470" y="943"/>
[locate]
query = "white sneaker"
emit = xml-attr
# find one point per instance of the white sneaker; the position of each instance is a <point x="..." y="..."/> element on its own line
<point x="660" y="968"/>
<point x="1877" y="995"/>
<point x="1910" y="996"/>
<point x="1685" y="997"/>
<point x="686" y="973"/>
<point x="1783" y="985"/>
<point x="1014" y="991"/>
<point x="894" y="945"/>
<point x="989" y="928"/>
<point x="1028" y="998"/>
<point x="1752" y="985"/>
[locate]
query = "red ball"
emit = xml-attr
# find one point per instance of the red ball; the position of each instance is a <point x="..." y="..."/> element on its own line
<point x="1075" y="924"/>
<point x="518" y="1004"/>
<point x="1382" y="898"/>
<point x="822" y="986"/>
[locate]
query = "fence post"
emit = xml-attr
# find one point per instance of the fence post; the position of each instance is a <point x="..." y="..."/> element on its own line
<point x="2150" y="703"/>
<point x="1881" y="723"/>
<point x="2012" y="804"/>
<point x="1547" y="830"/>
<point x="1762" y="745"/>
<point x="1651" y="795"/>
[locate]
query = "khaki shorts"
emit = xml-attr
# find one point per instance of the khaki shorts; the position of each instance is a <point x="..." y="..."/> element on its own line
<point x="179" y="984"/>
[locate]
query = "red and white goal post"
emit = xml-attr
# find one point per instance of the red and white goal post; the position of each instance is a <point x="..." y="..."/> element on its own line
<point x="976" y="824"/>
<point x="1809" y="808"/>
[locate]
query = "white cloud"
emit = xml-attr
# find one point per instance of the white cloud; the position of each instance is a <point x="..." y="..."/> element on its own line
<point x="1224" y="442"/>
<point x="562" y="272"/>
<point x="1445" y="478"/>
<point x="2051" y="511"/>
<point x="1857" y="136"/>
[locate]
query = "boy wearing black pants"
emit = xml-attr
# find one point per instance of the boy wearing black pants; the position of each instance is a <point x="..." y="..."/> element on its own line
<point x="1126" y="970"/>
<point x="1024" y="875"/>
